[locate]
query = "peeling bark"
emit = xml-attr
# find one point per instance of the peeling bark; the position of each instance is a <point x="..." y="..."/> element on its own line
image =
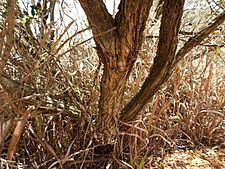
<point x="117" y="50"/>
<point x="163" y="62"/>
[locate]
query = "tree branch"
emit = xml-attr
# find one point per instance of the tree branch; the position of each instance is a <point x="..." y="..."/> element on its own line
<point x="152" y="82"/>
<point x="122" y="44"/>
<point x="100" y="21"/>
<point x="159" y="72"/>
<point x="130" y="26"/>
<point x="198" y="38"/>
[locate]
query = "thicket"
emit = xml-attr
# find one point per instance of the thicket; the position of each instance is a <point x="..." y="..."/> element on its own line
<point x="56" y="73"/>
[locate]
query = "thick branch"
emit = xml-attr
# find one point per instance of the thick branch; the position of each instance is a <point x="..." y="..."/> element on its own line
<point x="119" y="47"/>
<point x="137" y="103"/>
<point x="168" y="38"/>
<point x="130" y="23"/>
<point x="100" y="21"/>
<point x="198" y="38"/>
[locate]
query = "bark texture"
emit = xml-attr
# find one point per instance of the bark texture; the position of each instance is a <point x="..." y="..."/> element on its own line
<point x="118" y="41"/>
<point x="163" y="62"/>
<point x="7" y="33"/>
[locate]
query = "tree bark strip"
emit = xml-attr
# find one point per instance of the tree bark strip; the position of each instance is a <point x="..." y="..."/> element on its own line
<point x="117" y="50"/>
<point x="163" y="62"/>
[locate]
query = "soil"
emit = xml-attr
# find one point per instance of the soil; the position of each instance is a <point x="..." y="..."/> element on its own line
<point x="208" y="158"/>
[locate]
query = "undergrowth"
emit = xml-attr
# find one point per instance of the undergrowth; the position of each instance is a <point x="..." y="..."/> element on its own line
<point x="62" y="85"/>
<point x="186" y="113"/>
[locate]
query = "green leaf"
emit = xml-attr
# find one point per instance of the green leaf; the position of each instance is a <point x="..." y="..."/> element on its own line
<point x="34" y="9"/>
<point x="33" y="12"/>
<point x="25" y="20"/>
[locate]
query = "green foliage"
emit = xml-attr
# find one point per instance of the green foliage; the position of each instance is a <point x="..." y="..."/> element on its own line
<point x="25" y="20"/>
<point x="33" y="10"/>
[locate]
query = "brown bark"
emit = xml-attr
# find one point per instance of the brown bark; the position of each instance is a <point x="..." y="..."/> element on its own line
<point x="118" y="51"/>
<point x="163" y="62"/>
<point x="148" y="89"/>
<point x="118" y="46"/>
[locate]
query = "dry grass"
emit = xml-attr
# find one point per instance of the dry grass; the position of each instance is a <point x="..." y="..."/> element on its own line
<point x="187" y="113"/>
<point x="59" y="110"/>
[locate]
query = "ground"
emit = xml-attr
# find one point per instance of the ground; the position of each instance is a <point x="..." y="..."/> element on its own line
<point x="208" y="158"/>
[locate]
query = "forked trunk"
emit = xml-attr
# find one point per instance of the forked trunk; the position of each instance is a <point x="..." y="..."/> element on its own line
<point x="118" y="41"/>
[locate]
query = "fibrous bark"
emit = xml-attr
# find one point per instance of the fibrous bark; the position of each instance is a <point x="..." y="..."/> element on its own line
<point x="118" y="41"/>
<point x="163" y="62"/>
<point x="117" y="49"/>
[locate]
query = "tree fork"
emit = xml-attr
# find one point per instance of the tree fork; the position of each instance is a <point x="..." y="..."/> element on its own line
<point x="163" y="62"/>
<point x="117" y="50"/>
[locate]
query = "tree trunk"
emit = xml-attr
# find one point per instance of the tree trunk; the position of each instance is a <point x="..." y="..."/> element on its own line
<point x="118" y="41"/>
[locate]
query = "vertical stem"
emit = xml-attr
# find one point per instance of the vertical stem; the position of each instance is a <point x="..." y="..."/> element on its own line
<point x="9" y="33"/>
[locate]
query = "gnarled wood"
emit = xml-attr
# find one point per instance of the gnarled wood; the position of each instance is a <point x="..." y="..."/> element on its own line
<point x="118" y="47"/>
<point x="118" y="51"/>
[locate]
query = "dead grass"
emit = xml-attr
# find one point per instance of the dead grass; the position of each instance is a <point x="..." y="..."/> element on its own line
<point x="58" y="130"/>
<point x="187" y="113"/>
